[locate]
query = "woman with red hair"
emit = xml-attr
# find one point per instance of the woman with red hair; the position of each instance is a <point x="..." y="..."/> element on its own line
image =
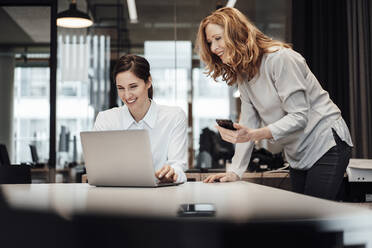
<point x="282" y="101"/>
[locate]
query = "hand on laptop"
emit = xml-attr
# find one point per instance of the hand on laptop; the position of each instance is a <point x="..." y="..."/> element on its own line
<point x="166" y="174"/>
<point x="222" y="177"/>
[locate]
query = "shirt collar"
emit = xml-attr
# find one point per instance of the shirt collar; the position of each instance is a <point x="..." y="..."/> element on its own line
<point x="149" y="119"/>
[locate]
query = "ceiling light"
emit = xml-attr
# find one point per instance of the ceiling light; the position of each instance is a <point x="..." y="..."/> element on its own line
<point x="132" y="11"/>
<point x="73" y="18"/>
<point x="231" y="3"/>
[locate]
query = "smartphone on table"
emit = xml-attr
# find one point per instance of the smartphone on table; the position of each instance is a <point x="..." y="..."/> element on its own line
<point x="197" y="210"/>
<point x="226" y="123"/>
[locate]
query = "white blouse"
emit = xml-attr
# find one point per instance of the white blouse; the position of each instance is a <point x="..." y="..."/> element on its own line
<point x="286" y="97"/>
<point x="167" y="129"/>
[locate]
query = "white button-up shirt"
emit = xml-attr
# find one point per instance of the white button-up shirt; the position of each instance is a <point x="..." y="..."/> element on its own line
<point x="167" y="129"/>
<point x="286" y="97"/>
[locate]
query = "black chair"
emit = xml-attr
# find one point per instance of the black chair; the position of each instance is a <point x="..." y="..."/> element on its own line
<point x="4" y="157"/>
<point x="35" y="158"/>
<point x="217" y="148"/>
<point x="12" y="174"/>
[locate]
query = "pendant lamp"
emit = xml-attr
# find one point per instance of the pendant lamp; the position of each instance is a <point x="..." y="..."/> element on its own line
<point x="73" y="18"/>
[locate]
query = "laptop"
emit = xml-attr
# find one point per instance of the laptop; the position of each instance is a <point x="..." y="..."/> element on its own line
<point x="119" y="158"/>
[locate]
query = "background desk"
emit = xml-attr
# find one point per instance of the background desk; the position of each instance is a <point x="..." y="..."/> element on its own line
<point x="274" y="179"/>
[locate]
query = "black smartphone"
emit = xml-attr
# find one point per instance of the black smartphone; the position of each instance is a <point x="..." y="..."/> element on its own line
<point x="226" y="123"/>
<point x="197" y="210"/>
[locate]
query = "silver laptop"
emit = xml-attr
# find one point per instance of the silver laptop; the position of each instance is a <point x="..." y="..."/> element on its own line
<point x="119" y="158"/>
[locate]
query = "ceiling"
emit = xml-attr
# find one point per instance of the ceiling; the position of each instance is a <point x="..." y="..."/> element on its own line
<point x="157" y="20"/>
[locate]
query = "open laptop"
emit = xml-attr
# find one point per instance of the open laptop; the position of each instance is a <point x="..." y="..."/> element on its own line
<point x="119" y="158"/>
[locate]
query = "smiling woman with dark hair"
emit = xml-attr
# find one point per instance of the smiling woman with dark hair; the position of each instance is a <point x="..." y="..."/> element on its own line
<point x="166" y="125"/>
<point x="278" y="90"/>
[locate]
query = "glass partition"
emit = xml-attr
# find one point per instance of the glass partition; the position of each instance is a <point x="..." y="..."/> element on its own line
<point x="83" y="89"/>
<point x="31" y="113"/>
<point x="28" y="80"/>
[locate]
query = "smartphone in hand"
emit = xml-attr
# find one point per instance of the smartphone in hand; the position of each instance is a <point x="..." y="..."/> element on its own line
<point x="225" y="123"/>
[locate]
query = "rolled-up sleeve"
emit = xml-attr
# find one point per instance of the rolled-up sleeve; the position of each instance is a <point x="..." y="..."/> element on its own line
<point x="243" y="151"/>
<point x="177" y="151"/>
<point x="289" y="79"/>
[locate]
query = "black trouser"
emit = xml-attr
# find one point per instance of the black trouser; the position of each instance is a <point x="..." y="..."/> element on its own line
<point x="324" y="178"/>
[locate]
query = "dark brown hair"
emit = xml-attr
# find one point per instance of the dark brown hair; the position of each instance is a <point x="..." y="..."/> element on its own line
<point x="138" y="65"/>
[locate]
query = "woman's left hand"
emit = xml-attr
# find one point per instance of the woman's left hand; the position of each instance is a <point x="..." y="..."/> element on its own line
<point x="244" y="134"/>
<point x="166" y="174"/>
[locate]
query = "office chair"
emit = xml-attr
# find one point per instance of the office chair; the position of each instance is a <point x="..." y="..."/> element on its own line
<point x="12" y="174"/>
<point x="35" y="157"/>
<point x="212" y="143"/>
<point x="4" y="157"/>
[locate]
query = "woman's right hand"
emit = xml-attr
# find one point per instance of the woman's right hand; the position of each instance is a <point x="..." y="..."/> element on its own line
<point x="244" y="134"/>
<point x="166" y="174"/>
<point x="222" y="177"/>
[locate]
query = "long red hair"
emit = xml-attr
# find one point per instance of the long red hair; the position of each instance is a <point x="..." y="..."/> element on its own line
<point x="245" y="45"/>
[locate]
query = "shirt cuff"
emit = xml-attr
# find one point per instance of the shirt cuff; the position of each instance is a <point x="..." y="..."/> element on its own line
<point x="274" y="132"/>
<point x="238" y="173"/>
<point x="181" y="176"/>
